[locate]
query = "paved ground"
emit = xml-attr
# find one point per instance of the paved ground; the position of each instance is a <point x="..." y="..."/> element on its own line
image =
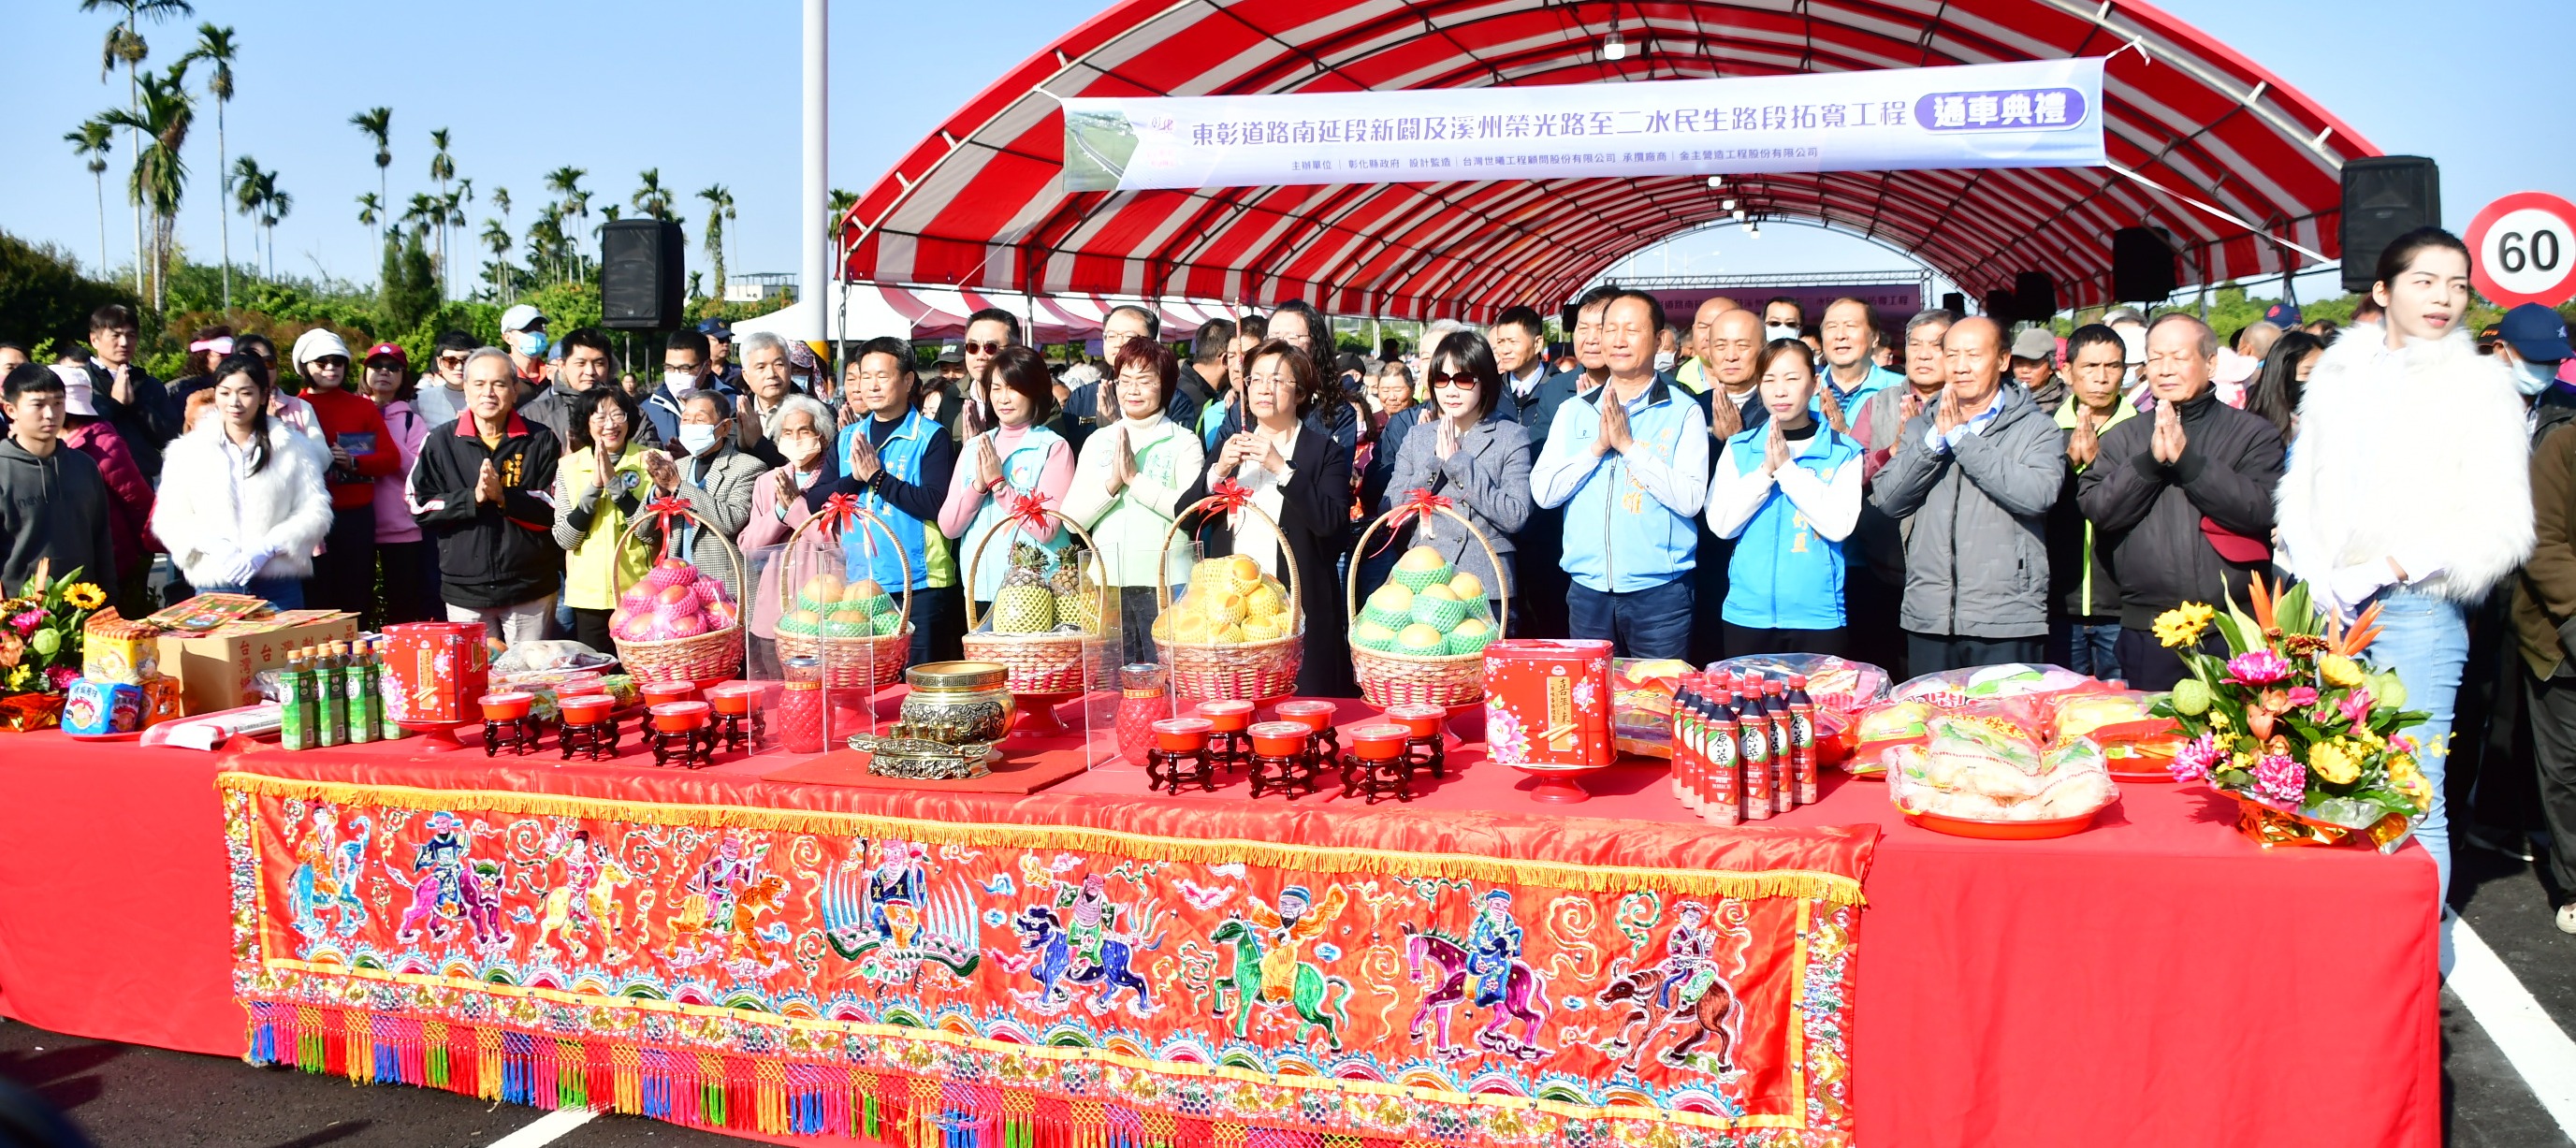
<point x="129" y="1097"/>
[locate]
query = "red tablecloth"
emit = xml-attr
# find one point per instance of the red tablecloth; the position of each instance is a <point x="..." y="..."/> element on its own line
<point x="2155" y="981"/>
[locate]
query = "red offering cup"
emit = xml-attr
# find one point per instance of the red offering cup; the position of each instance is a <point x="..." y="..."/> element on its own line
<point x="1419" y="719"/>
<point x="657" y="693"/>
<point x="736" y="698"/>
<point x="588" y="709"/>
<point x="1379" y="741"/>
<point x="679" y="717"/>
<point x="1316" y="716"/>
<point x="509" y="705"/>
<point x="1278" y="738"/>
<point x="1182" y="734"/>
<point x="1227" y="716"/>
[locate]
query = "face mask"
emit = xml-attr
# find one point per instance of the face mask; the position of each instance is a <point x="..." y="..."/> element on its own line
<point x="2532" y="378"/>
<point x="803" y="383"/>
<point x="1663" y="360"/>
<point x="697" y="437"/>
<point x="801" y="451"/>
<point x="680" y="384"/>
<point x="1773" y="332"/>
<point x="533" y="344"/>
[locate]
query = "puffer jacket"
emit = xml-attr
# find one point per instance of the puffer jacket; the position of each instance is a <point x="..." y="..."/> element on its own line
<point x="1976" y="553"/>
<point x="2153" y="518"/>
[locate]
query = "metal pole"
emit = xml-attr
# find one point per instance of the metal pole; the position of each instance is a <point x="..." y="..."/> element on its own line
<point x="815" y="198"/>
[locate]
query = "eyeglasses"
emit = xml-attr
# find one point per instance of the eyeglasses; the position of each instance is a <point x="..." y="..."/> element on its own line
<point x="991" y="348"/>
<point x="1461" y="382"/>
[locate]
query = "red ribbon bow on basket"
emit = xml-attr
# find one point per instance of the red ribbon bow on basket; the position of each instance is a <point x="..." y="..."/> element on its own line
<point x="1228" y="496"/>
<point x="669" y="513"/>
<point x="1418" y="504"/>
<point x="1027" y="510"/>
<point x="838" y="512"/>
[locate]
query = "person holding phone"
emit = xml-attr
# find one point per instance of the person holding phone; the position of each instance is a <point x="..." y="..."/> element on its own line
<point x="362" y="450"/>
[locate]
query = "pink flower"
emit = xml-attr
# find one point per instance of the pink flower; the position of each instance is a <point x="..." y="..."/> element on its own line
<point x="2191" y="762"/>
<point x="62" y="677"/>
<point x="2257" y="668"/>
<point x="2355" y="708"/>
<point x="2302" y="696"/>
<point x="26" y="623"/>
<point x="2279" y="779"/>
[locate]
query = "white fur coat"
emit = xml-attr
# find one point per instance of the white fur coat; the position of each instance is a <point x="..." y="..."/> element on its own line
<point x="2420" y="454"/>
<point x="283" y="509"/>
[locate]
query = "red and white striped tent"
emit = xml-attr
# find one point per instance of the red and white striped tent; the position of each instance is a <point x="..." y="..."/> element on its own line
<point x="2205" y="144"/>
<point x="868" y="310"/>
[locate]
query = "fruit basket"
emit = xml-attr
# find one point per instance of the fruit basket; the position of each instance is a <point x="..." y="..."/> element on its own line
<point x="861" y="634"/>
<point x="1236" y="633"/>
<point x="1422" y="636"/>
<point x="683" y="626"/>
<point x="1045" y="624"/>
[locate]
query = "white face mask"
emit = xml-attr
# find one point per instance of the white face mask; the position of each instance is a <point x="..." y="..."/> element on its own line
<point x="1664" y="360"/>
<point x="801" y="451"/>
<point x="679" y="384"/>
<point x="2531" y="378"/>
<point x="1773" y="332"/>
<point x="697" y="437"/>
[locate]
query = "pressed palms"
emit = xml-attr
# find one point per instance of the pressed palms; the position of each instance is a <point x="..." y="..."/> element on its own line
<point x="378" y="124"/>
<point x="161" y="170"/>
<point x="125" y="46"/>
<point x="719" y="209"/>
<point x="216" y="46"/>
<point x="92" y="141"/>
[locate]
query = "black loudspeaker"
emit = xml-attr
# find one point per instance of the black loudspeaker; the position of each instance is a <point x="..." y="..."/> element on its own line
<point x="2384" y="197"/>
<point x="641" y="277"/>
<point x="2142" y="265"/>
<point x="2035" y="294"/>
<point x="1954" y="302"/>
<point x="2002" y="307"/>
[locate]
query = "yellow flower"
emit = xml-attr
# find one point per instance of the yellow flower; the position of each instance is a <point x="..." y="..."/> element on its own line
<point x="85" y="596"/>
<point x="2184" y="624"/>
<point x="2340" y="671"/>
<point x="2408" y="780"/>
<point x="2334" y="764"/>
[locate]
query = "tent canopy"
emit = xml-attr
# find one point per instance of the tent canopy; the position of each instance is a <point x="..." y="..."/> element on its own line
<point x="2226" y="157"/>
<point x="868" y="310"/>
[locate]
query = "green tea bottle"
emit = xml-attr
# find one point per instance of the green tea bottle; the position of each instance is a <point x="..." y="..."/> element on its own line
<point x="295" y="703"/>
<point x="334" y="728"/>
<point x="364" y="704"/>
<point x="386" y="729"/>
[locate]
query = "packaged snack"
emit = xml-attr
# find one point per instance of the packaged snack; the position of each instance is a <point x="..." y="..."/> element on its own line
<point x="1641" y="703"/>
<point x="1951" y="689"/>
<point x="1985" y="767"/>
<point x="1840" y="687"/>
<point x="1884" y="727"/>
<point x="2119" y="717"/>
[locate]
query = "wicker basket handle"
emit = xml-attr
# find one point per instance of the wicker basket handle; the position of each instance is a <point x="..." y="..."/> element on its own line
<point x="1502" y="581"/>
<point x="741" y="576"/>
<point x="867" y="519"/>
<point x="976" y="556"/>
<point x="1163" y="562"/>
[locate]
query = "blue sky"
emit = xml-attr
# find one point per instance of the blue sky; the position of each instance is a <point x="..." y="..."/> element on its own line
<point x="707" y="93"/>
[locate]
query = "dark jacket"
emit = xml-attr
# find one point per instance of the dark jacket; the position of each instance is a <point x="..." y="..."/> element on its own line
<point x="1315" y="516"/>
<point x="53" y="507"/>
<point x="2544" y="598"/>
<point x="490" y="556"/>
<point x="2150" y="516"/>
<point x="1976" y="557"/>
<point x="662" y="410"/>
<point x="145" y="424"/>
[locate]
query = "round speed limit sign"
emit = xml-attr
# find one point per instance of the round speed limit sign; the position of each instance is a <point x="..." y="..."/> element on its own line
<point x="2526" y="250"/>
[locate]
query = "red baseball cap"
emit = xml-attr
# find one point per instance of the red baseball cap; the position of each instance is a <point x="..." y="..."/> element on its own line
<point x="387" y="350"/>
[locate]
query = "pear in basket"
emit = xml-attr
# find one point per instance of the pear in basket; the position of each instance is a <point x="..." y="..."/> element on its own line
<point x="1419" y="639"/>
<point x="1227" y="635"/>
<point x="1391" y="606"/>
<point x="1420" y="567"/>
<point x="1243" y="571"/>
<point x="1191" y="629"/>
<point x="1265" y="602"/>
<point x="1471" y="637"/>
<point x="1265" y="627"/>
<point x="1373" y="634"/>
<point x="1436" y="607"/>
<point x="1025" y="604"/>
<point x="1228" y="608"/>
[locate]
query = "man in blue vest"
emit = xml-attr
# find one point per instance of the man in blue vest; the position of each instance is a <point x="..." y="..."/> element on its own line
<point x="1629" y="463"/>
<point x="898" y="461"/>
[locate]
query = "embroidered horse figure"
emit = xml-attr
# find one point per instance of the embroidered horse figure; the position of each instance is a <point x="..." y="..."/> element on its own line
<point x="1693" y="989"/>
<point x="1043" y="934"/>
<point x="568" y="910"/>
<point x="1524" y="998"/>
<point x="1320" y="1001"/>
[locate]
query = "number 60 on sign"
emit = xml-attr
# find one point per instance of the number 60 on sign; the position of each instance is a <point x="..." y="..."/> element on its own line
<point x="2525" y="248"/>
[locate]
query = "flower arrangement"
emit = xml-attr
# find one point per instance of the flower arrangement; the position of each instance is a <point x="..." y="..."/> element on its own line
<point x="40" y="645"/>
<point x="2292" y="723"/>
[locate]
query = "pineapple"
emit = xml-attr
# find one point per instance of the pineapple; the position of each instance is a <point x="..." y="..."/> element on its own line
<point x="1025" y="604"/>
<point x="1077" y="598"/>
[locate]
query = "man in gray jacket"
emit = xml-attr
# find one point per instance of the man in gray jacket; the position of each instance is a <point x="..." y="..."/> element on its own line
<point x="1978" y="469"/>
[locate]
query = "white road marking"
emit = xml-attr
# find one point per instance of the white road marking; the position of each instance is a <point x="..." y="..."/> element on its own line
<point x="546" y="1129"/>
<point x="2535" y="1046"/>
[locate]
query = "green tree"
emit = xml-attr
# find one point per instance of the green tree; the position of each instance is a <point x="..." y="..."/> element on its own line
<point x="216" y="46"/>
<point x="442" y="167"/>
<point x="161" y="168"/>
<point x="651" y="197"/>
<point x="377" y="124"/>
<point x="44" y="297"/>
<point x="499" y="271"/>
<point x="125" y="46"/>
<point x="92" y="141"/>
<point x="410" y="292"/>
<point x="565" y="182"/>
<point x="719" y="209"/>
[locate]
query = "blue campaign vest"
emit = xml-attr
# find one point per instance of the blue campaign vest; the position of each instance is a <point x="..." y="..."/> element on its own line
<point x="1020" y="468"/>
<point x="1643" y="544"/>
<point x="1784" y="575"/>
<point x="864" y="548"/>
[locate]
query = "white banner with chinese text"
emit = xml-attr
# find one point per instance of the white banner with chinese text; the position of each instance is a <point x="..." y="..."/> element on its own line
<point x="2043" y="113"/>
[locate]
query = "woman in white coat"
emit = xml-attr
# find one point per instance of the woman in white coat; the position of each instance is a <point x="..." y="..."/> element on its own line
<point x="2409" y="487"/>
<point x="242" y="505"/>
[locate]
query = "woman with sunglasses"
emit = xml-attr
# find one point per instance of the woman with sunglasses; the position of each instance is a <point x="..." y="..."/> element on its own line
<point x="1466" y="453"/>
<point x="1018" y="455"/>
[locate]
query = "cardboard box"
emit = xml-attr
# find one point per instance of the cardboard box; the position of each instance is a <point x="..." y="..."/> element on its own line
<point x="215" y="668"/>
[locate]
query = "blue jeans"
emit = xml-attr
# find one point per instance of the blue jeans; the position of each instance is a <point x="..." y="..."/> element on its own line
<point x="283" y="593"/>
<point x="2426" y="640"/>
<point x="2093" y="651"/>
<point x="1651" y="623"/>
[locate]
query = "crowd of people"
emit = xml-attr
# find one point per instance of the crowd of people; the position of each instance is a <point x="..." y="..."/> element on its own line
<point x="1949" y="493"/>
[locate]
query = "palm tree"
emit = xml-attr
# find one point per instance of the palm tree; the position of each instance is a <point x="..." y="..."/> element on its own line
<point x="92" y="141"/>
<point x="244" y="178"/>
<point x="125" y="46"/>
<point x="546" y="240"/>
<point x="442" y="167"/>
<point x="215" y="46"/>
<point x="371" y="210"/>
<point x="719" y="209"/>
<point x="451" y="215"/>
<point x="160" y="170"/>
<point x="652" y="198"/>
<point x="255" y="194"/>
<point x="273" y="206"/>
<point x="566" y="182"/>
<point x="378" y="124"/>
<point x="497" y="237"/>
